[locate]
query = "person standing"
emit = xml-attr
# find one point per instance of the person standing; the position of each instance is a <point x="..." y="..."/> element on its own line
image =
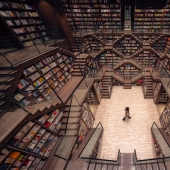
<point x="127" y="114"/>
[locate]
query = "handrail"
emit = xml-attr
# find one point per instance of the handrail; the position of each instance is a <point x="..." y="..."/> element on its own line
<point x="117" y="162"/>
<point x="161" y="133"/>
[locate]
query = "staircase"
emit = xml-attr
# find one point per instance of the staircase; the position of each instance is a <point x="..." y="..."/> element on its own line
<point x="119" y="78"/>
<point x="137" y="40"/>
<point x="8" y="83"/>
<point x="156" y="39"/>
<point x="148" y="89"/>
<point x="118" y="40"/>
<point x="70" y="121"/>
<point x="129" y="61"/>
<point x="139" y="51"/>
<point x="127" y="84"/>
<point x="136" y="77"/>
<point x="106" y="85"/>
<point x="79" y="67"/>
<point x="99" y="40"/>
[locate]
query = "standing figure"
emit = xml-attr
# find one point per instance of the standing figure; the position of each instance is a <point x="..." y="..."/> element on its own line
<point x="127" y="114"/>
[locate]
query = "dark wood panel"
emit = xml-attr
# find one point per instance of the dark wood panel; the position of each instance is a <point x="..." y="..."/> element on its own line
<point x="52" y="14"/>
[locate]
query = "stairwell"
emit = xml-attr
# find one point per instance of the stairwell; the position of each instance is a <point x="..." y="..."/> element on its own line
<point x="8" y="84"/>
<point x="107" y="85"/>
<point x="79" y="66"/>
<point x="136" y="77"/>
<point x="147" y="84"/>
<point x="127" y="84"/>
<point x="119" y="78"/>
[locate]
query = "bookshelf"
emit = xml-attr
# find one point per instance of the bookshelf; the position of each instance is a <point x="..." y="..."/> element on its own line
<point x="148" y="20"/>
<point x="32" y="144"/>
<point x="167" y="47"/>
<point x="164" y="67"/>
<point x="87" y="115"/>
<point x="160" y="45"/>
<point x="24" y="21"/>
<point x="165" y="119"/>
<point x="128" y="46"/>
<point x="147" y="59"/>
<point x="158" y="149"/>
<point x="127" y="71"/>
<point x="86" y="122"/>
<point x="90" y="45"/>
<point x="94" y="95"/>
<point x="89" y="16"/>
<point x="109" y="59"/>
<point x="156" y="91"/>
<point x="44" y="79"/>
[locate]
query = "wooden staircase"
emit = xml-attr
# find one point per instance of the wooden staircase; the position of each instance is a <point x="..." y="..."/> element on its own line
<point x="8" y="84"/>
<point x="129" y="61"/>
<point x="127" y="84"/>
<point x="136" y="77"/>
<point x="119" y="78"/>
<point x="147" y="84"/>
<point x="70" y="120"/>
<point x="106" y="85"/>
<point x="79" y="67"/>
<point x="99" y="40"/>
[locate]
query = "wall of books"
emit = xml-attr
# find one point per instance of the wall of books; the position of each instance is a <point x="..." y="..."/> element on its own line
<point x="24" y="21"/>
<point x="160" y="45"/>
<point x="32" y="144"/>
<point x="165" y="119"/>
<point x="44" y="79"/>
<point x="97" y="15"/>
<point x="109" y="59"/>
<point x="127" y="71"/>
<point x="86" y="121"/>
<point x="147" y="59"/>
<point x="128" y="46"/>
<point x="164" y="67"/>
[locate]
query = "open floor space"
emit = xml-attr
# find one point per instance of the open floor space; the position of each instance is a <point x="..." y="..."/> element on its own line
<point x="131" y="134"/>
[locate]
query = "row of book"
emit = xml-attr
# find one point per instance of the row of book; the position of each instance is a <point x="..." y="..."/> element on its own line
<point x="32" y="138"/>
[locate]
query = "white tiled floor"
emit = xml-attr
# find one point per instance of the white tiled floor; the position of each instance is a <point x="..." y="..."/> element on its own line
<point x="131" y="134"/>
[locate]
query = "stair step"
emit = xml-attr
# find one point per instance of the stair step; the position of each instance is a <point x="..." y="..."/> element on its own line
<point x="8" y="73"/>
<point x="69" y="126"/>
<point x="6" y="80"/>
<point x="69" y="132"/>
<point x="70" y="120"/>
<point x="4" y="88"/>
<point x="73" y="108"/>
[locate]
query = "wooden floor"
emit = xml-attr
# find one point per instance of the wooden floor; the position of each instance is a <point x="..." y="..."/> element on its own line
<point x="131" y="134"/>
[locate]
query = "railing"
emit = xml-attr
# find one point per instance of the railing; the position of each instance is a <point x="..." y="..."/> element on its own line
<point x="87" y="152"/>
<point x="165" y="147"/>
<point x="43" y="40"/>
<point x="164" y="160"/>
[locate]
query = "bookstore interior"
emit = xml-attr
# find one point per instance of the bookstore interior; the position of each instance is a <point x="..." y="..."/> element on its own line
<point x="60" y="59"/>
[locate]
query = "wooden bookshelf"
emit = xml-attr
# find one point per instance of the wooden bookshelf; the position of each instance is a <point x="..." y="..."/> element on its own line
<point x="24" y="21"/>
<point x="158" y="149"/>
<point x="128" y="46"/>
<point x="165" y="119"/>
<point x="160" y="45"/>
<point x="167" y="47"/>
<point x="88" y="16"/>
<point x="32" y="144"/>
<point x="108" y="59"/>
<point x="147" y="59"/>
<point x="127" y="71"/>
<point x="164" y="67"/>
<point x="94" y="95"/>
<point x="44" y="79"/>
